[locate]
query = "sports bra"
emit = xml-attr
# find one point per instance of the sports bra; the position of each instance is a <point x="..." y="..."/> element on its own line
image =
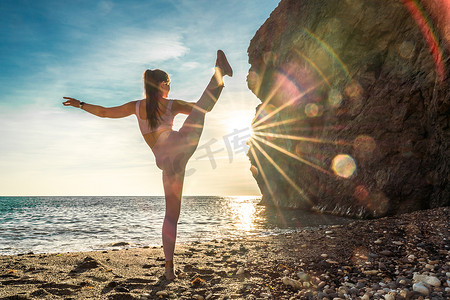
<point x="165" y="122"/>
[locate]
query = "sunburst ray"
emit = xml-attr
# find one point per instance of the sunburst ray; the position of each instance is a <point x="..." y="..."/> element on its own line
<point x="301" y="138"/>
<point x="267" y="100"/>
<point x="288" y="103"/>
<point x="278" y="168"/>
<point x="274" y="124"/>
<point x="272" y="194"/>
<point x="284" y="151"/>
<point x="293" y="120"/>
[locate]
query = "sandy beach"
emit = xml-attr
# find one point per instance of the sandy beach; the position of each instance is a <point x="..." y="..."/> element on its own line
<point x="399" y="257"/>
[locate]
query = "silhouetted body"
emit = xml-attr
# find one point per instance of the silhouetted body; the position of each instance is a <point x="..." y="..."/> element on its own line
<point x="172" y="149"/>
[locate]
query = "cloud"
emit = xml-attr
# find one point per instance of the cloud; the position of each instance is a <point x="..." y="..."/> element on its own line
<point x="113" y="65"/>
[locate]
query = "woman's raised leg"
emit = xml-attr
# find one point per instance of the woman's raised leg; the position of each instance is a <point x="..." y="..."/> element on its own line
<point x="193" y="125"/>
<point x="173" y="187"/>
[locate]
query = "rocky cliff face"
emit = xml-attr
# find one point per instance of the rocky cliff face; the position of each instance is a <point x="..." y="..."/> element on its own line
<point x="354" y="116"/>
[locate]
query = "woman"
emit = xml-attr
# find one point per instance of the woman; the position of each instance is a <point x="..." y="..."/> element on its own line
<point x="172" y="149"/>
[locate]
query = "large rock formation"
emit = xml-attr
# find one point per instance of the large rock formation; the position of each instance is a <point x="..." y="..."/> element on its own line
<point x="354" y="116"/>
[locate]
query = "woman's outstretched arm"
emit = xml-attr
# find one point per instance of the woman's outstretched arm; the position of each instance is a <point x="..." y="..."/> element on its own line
<point x="122" y="111"/>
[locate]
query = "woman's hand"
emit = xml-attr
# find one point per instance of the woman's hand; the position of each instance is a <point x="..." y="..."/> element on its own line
<point x="72" y="102"/>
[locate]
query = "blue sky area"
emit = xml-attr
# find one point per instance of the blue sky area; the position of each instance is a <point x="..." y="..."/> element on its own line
<point x="97" y="51"/>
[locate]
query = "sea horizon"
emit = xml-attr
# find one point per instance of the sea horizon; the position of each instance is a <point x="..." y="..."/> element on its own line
<point x="52" y="224"/>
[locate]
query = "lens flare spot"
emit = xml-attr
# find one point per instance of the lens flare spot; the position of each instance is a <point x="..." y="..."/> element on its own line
<point x="406" y="49"/>
<point x="254" y="170"/>
<point x="253" y="80"/>
<point x="364" y="145"/>
<point x="361" y="193"/>
<point x="334" y="98"/>
<point x="353" y="91"/>
<point x="322" y="59"/>
<point x="264" y="112"/>
<point x="312" y="110"/>
<point x="343" y="165"/>
<point x="304" y="148"/>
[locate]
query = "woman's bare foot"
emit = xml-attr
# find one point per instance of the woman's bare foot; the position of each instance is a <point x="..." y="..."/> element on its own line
<point x="222" y="63"/>
<point x="169" y="272"/>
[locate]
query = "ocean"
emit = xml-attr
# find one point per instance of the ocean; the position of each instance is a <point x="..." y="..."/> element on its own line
<point x="70" y="224"/>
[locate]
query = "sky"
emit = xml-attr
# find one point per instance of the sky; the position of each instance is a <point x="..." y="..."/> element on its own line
<point x="97" y="51"/>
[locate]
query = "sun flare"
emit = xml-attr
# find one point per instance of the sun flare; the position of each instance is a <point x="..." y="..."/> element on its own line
<point x="240" y="120"/>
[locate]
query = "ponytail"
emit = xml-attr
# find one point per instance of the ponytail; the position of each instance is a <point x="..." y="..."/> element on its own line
<point x="152" y="79"/>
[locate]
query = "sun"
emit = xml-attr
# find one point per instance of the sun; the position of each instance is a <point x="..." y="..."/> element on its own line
<point x="240" y="121"/>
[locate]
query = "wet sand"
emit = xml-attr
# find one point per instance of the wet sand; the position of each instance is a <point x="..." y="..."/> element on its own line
<point x="399" y="257"/>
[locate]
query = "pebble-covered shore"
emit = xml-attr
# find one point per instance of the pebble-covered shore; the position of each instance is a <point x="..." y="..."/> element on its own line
<point x="399" y="257"/>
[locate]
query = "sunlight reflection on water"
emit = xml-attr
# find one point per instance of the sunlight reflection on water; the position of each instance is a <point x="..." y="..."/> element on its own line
<point x="63" y="224"/>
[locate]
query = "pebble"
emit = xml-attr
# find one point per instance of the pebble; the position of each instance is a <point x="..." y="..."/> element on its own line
<point x="431" y="280"/>
<point x="421" y="288"/>
<point x="303" y="276"/>
<point x="360" y="285"/>
<point x="332" y="261"/>
<point x="324" y="255"/>
<point x="296" y="285"/>
<point x="240" y="271"/>
<point x="366" y="296"/>
<point x="386" y="253"/>
<point x="377" y="242"/>
<point x="198" y="297"/>
<point x="265" y="295"/>
<point x="162" y="294"/>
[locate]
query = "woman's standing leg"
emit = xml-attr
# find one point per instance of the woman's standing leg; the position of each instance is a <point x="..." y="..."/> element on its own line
<point x="181" y="146"/>
<point x="173" y="187"/>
